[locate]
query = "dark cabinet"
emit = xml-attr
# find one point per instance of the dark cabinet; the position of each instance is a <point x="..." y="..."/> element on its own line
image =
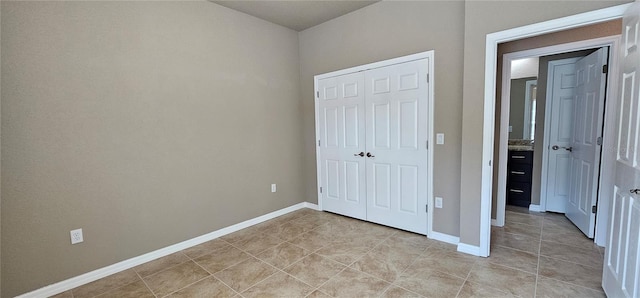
<point x="519" y="170"/>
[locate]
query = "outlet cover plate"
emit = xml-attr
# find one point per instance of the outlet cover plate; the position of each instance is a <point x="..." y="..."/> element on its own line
<point x="273" y="187"/>
<point x="76" y="236"/>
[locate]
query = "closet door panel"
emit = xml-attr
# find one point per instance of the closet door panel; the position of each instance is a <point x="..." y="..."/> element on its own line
<point x="341" y="123"/>
<point x="396" y="98"/>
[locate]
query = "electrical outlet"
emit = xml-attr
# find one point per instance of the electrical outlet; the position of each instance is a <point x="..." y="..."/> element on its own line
<point x="273" y="187"/>
<point x="438" y="202"/>
<point x="76" y="236"/>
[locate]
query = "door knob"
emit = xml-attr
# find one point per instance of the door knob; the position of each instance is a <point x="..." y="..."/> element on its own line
<point x="361" y="154"/>
<point x="635" y="191"/>
<point x="370" y="155"/>
<point x="556" y="147"/>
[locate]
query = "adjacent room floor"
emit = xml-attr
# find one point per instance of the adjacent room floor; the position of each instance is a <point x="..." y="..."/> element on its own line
<point x="318" y="254"/>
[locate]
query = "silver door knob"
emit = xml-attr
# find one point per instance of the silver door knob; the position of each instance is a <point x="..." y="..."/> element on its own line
<point x="361" y="154"/>
<point x="635" y="191"/>
<point x="556" y="147"/>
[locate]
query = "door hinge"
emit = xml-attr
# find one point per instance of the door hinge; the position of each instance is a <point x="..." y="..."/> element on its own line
<point x="427" y="78"/>
<point x="594" y="209"/>
<point x="599" y="141"/>
<point x="318" y="143"/>
<point x="426" y="208"/>
<point x="317" y="94"/>
<point x="427" y="145"/>
<point x="320" y="189"/>
<point x="605" y="68"/>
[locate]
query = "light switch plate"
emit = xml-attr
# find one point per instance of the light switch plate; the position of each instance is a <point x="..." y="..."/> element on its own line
<point x="438" y="202"/>
<point x="440" y="138"/>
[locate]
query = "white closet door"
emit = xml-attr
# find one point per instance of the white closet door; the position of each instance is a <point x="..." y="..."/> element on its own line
<point x="396" y="135"/>
<point x="341" y="120"/>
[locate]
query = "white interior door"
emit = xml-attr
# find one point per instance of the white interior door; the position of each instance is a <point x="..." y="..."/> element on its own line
<point x="561" y="88"/>
<point x="621" y="272"/>
<point x="341" y="129"/>
<point x="587" y="128"/>
<point x="396" y="100"/>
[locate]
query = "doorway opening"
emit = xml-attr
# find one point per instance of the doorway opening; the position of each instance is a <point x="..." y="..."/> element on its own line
<point x="489" y="133"/>
<point x="529" y="180"/>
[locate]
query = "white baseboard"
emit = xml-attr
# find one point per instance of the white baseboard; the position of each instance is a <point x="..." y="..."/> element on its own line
<point x="535" y="208"/>
<point x="444" y="237"/>
<point x="494" y="222"/>
<point x="311" y="206"/>
<point x="88" y="277"/>
<point x="469" y="249"/>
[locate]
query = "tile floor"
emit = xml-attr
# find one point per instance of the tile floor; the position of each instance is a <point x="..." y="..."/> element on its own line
<point x="318" y="254"/>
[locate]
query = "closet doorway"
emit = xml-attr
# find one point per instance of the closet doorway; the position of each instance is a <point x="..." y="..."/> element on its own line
<point x="374" y="125"/>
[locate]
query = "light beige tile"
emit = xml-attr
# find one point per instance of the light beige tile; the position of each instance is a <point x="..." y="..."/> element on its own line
<point x="516" y="282"/>
<point x="410" y="241"/>
<point x="386" y="261"/>
<point x="513" y="258"/>
<point x="516" y="241"/>
<point x="312" y="240"/>
<point x="589" y="256"/>
<point x="106" y="284"/>
<point x="133" y="290"/>
<point x="344" y="252"/>
<point x="453" y="263"/>
<point x="279" y="285"/>
<point x="576" y="274"/>
<point x="430" y="283"/>
<point x="567" y="237"/>
<point x="243" y="235"/>
<point x="292" y="229"/>
<point x="317" y="294"/>
<point x="532" y="220"/>
<point x="523" y="229"/>
<point x="314" y="269"/>
<point x="208" y="287"/>
<point x="397" y="292"/>
<point x="66" y="294"/>
<point x="472" y="290"/>
<point x="161" y="264"/>
<point x="351" y="283"/>
<point x="550" y="288"/>
<point x="221" y="259"/>
<point x="283" y="255"/>
<point x="205" y="248"/>
<point x="175" y="278"/>
<point x="257" y="243"/>
<point x="246" y="274"/>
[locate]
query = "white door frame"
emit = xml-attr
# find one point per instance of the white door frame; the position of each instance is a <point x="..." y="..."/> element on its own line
<point x="611" y="41"/>
<point x="491" y="52"/>
<point x="430" y="122"/>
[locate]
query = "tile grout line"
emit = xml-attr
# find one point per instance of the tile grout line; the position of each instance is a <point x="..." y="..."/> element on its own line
<point x="535" y="288"/>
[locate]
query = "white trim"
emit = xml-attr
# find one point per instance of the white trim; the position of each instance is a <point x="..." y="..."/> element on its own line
<point x="492" y="42"/>
<point x="535" y="208"/>
<point x="430" y="55"/>
<point x="444" y="237"/>
<point x="94" y="275"/>
<point x="311" y="206"/>
<point x="469" y="249"/>
<point x="494" y="222"/>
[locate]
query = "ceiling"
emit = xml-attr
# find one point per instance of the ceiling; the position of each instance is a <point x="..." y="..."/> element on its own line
<point x="297" y="15"/>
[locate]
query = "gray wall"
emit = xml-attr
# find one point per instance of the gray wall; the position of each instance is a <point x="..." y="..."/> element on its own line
<point x="387" y="30"/>
<point x="480" y="20"/>
<point x="145" y="124"/>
